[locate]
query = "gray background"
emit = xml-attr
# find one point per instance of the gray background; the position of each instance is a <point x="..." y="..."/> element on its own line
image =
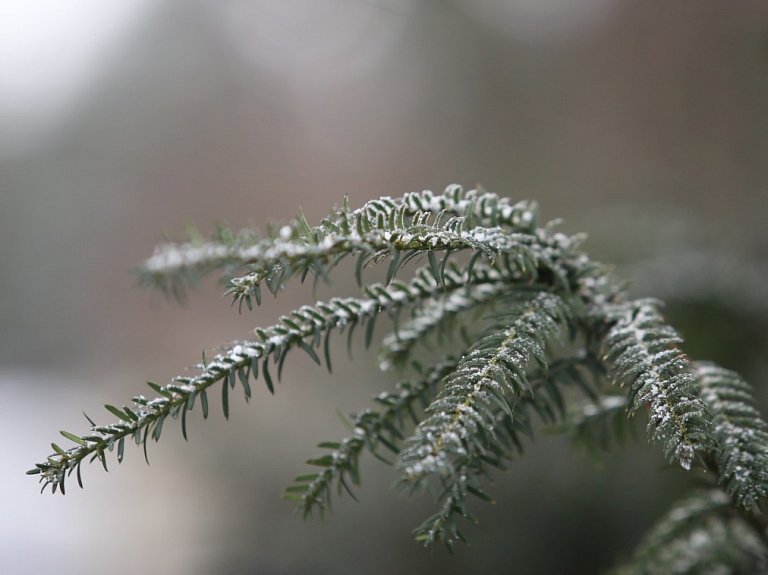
<point x="644" y="123"/>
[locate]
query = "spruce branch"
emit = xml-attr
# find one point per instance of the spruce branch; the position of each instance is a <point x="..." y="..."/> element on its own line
<point x="274" y="262"/>
<point x="397" y="228"/>
<point x="700" y="534"/>
<point x="503" y="440"/>
<point x="483" y="208"/>
<point x="545" y="400"/>
<point x="509" y="287"/>
<point x="492" y="368"/>
<point x="457" y="439"/>
<point x="293" y="249"/>
<point x="740" y="432"/>
<point x="641" y="350"/>
<point x="241" y="361"/>
<point x="437" y="316"/>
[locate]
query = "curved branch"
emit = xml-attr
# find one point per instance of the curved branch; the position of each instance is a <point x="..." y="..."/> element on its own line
<point x="741" y="434"/>
<point x="241" y="361"/>
<point x="642" y="352"/>
<point x="700" y="534"/>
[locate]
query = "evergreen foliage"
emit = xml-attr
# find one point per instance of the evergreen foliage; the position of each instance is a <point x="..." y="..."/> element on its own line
<point x="529" y="331"/>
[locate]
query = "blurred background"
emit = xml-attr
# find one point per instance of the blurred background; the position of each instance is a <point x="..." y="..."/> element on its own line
<point x="643" y="123"/>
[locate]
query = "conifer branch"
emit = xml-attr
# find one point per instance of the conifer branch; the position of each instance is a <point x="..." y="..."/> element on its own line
<point x="642" y="353"/>
<point x="741" y="434"/>
<point x="457" y="439"/>
<point x="437" y="316"/>
<point x="399" y="228"/>
<point x="240" y="361"/>
<point x="700" y="534"/>
<point x="503" y="440"/>
<point x="493" y="367"/>
<point x="516" y="287"/>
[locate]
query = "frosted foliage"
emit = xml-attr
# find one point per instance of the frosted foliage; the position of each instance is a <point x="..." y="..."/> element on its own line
<point x="742" y="436"/>
<point x="699" y="535"/>
<point x="503" y="292"/>
<point x="423" y="221"/>
<point x="435" y="317"/>
<point x="643" y="354"/>
<point x="493" y="367"/>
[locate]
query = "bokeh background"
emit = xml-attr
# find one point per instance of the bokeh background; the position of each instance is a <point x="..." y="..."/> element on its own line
<point x="644" y="123"/>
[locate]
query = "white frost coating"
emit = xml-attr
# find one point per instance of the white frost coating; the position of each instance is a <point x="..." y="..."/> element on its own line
<point x="455" y="416"/>
<point x="399" y="296"/>
<point x="368" y="307"/>
<point x="276" y="340"/>
<point x="285" y="233"/>
<point x="170" y="256"/>
<point x="216" y="365"/>
<point x="637" y="335"/>
<point x="328" y="242"/>
<point x="743" y="457"/>
<point x="342" y="314"/>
